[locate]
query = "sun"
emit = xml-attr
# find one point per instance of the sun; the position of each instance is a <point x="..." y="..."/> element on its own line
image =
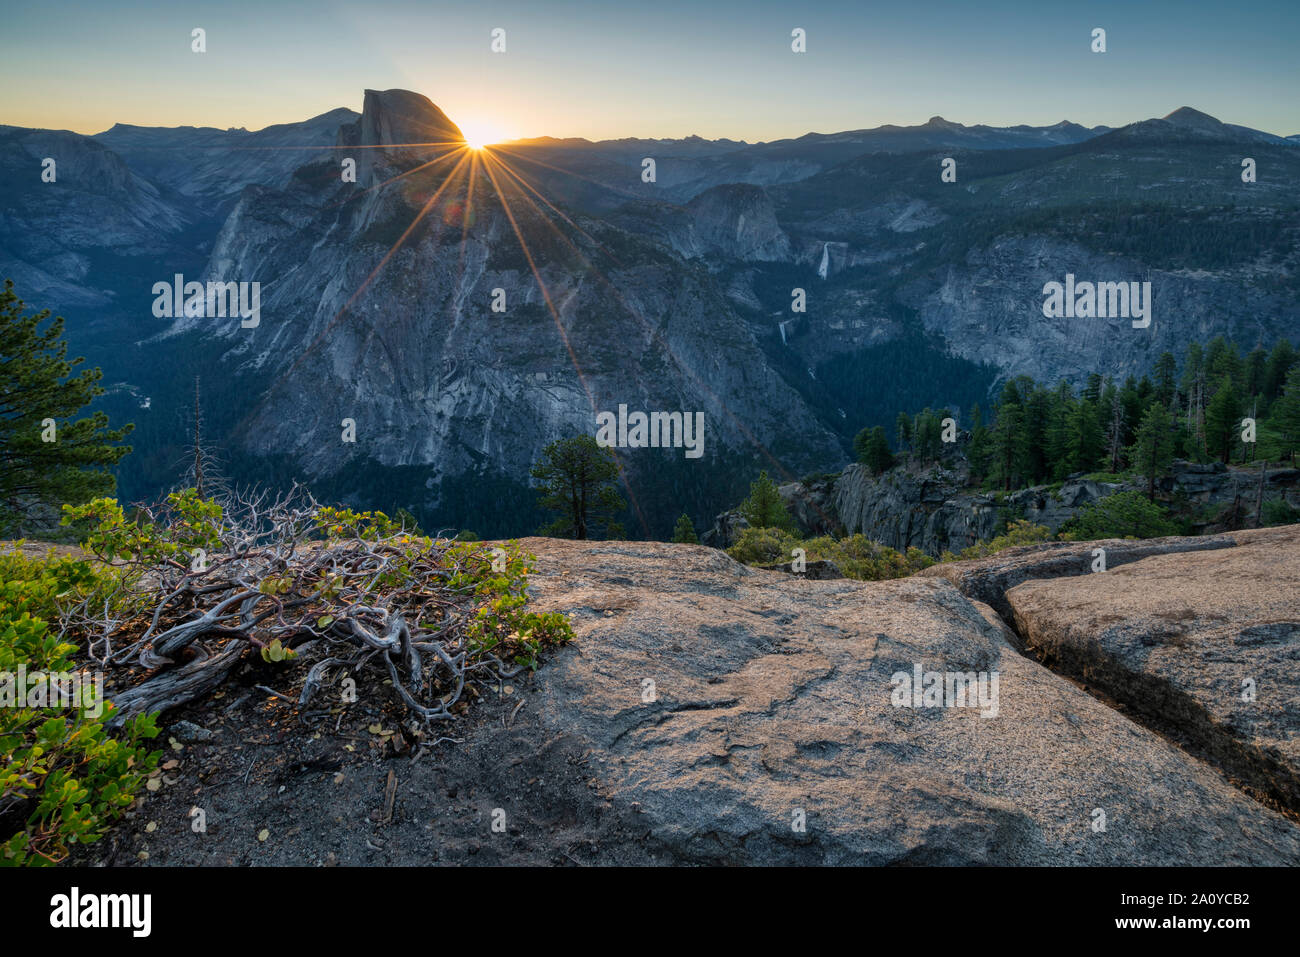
<point x="481" y="133"/>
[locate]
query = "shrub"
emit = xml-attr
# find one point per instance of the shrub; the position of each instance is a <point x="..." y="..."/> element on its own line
<point x="856" y="556"/>
<point x="763" y="546"/>
<point x="440" y="616"/>
<point x="61" y="775"/>
<point x="1122" y="515"/>
<point x="1019" y="532"/>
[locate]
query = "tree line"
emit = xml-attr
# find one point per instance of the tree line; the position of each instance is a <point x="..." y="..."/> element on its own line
<point x="1218" y="404"/>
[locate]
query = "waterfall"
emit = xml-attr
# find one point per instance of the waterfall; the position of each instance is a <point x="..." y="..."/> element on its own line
<point x="826" y="260"/>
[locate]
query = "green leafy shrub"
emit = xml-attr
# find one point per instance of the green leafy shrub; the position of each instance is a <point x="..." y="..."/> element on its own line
<point x="859" y="557"/>
<point x="63" y="780"/>
<point x="1122" y="515"/>
<point x="498" y="579"/>
<point x="1019" y="532"/>
<point x="763" y="546"/>
<point x="856" y="556"/>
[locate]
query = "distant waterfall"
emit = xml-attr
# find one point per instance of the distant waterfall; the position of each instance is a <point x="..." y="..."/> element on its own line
<point x="826" y="260"/>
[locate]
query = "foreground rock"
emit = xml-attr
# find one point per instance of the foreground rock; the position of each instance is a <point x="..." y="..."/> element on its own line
<point x="989" y="579"/>
<point x="726" y="704"/>
<point x="1204" y="644"/>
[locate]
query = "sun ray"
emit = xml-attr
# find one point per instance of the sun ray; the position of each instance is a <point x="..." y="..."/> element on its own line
<point x="353" y="195"/>
<point x="630" y="194"/>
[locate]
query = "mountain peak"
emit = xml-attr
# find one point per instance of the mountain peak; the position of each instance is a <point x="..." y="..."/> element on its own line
<point x="939" y="123"/>
<point x="1194" y="119"/>
<point x="404" y="118"/>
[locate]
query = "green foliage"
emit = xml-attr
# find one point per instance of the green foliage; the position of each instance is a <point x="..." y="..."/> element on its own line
<point x="1153" y="448"/>
<point x="856" y="556"/>
<point x="58" y="766"/>
<point x="764" y="507"/>
<point x="367" y="526"/>
<point x="37" y="384"/>
<point x="763" y="546"/>
<point x="1039" y="435"/>
<point x="1286" y="414"/>
<point x="684" y="531"/>
<point x="577" y="479"/>
<point x="1122" y="515"/>
<point x="872" y="448"/>
<point x="1223" y="419"/>
<point x="409" y="523"/>
<point x="1019" y="532"/>
<point x="500" y="625"/>
<point x="190" y="523"/>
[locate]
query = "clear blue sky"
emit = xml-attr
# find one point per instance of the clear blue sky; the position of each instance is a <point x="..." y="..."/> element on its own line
<point x="653" y="68"/>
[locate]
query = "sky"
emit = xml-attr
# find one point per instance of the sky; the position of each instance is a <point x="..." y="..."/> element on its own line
<point x="655" y="68"/>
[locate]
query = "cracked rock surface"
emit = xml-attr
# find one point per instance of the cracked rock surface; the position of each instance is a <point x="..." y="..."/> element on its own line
<point x="724" y="703"/>
<point x="1207" y="643"/>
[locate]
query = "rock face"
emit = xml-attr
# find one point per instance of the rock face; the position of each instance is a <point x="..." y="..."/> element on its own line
<point x="750" y="717"/>
<point x="1207" y="644"/>
<point x="933" y="510"/>
<point x="738" y="221"/>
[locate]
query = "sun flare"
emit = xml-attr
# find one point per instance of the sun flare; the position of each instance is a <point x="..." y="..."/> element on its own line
<point x="481" y="133"/>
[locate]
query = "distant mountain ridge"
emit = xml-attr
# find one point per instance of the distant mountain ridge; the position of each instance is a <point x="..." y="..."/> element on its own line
<point x="674" y="294"/>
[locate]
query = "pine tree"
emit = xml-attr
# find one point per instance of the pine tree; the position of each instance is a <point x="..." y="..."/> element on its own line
<point x="684" y="531"/>
<point x="577" y="478"/>
<point x="1092" y="390"/>
<point x="764" y="507"/>
<point x="1280" y="361"/>
<point x="1192" y="387"/>
<point x="1166" y="384"/>
<point x="1007" y="440"/>
<point x="1222" y="361"/>
<point x="903" y="431"/>
<point x="1255" y="371"/>
<point x="1087" y="442"/>
<point x="46" y="456"/>
<point x="1286" y="414"/>
<point x="1222" y="420"/>
<point x="1057" y="433"/>
<point x="1114" y="428"/>
<point x="978" y="451"/>
<point x="875" y="454"/>
<point x="1153" y="449"/>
